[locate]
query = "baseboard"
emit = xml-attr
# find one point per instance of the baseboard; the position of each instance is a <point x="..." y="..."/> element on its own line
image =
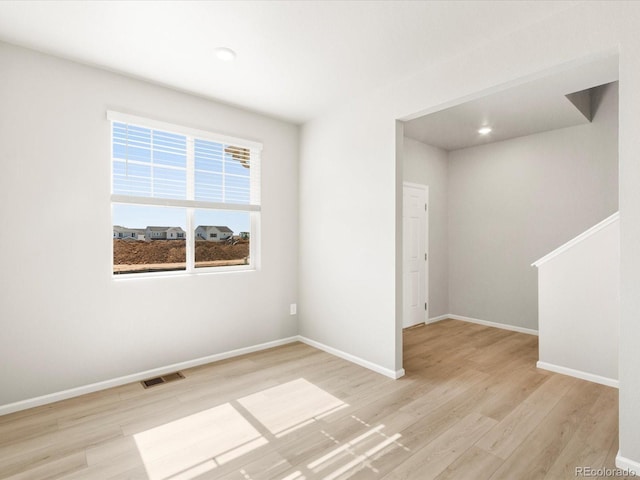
<point x="437" y="319"/>
<point x="353" y="359"/>
<point x="486" y="323"/>
<point x="627" y="464"/>
<point x="609" y="382"/>
<point x="136" y="377"/>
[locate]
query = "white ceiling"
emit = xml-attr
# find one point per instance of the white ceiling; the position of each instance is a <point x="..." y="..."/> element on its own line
<point x="533" y="107"/>
<point x="296" y="59"/>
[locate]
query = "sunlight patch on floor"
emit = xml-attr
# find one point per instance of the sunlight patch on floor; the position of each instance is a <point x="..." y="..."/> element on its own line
<point x="356" y="453"/>
<point x="297" y="475"/>
<point x="188" y="447"/>
<point x="290" y="406"/>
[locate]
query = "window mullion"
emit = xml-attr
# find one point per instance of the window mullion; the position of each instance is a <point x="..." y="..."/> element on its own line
<point x="191" y="180"/>
<point x="191" y="240"/>
<point x="224" y="178"/>
<point x="153" y="170"/>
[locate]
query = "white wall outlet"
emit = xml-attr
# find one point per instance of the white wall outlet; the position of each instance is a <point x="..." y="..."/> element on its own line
<point x="293" y="308"/>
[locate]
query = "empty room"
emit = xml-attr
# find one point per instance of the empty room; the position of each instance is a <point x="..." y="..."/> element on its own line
<point x="319" y="240"/>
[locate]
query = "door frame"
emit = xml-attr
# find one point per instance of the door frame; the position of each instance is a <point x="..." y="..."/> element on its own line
<point x="426" y="247"/>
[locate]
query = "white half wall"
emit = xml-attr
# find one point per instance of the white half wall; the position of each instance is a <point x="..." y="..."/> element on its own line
<point x="427" y="165"/>
<point x="579" y="298"/>
<point x="65" y="322"/>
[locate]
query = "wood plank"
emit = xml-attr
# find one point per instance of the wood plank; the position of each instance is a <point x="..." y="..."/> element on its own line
<point x="474" y="464"/>
<point x="589" y="445"/>
<point x="514" y="429"/>
<point x="534" y="457"/>
<point x="438" y="455"/>
<point x="54" y="469"/>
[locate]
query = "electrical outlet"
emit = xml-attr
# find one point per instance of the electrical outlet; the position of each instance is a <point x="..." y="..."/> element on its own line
<point x="293" y="308"/>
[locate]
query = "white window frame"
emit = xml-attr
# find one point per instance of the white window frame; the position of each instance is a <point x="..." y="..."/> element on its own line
<point x="190" y="205"/>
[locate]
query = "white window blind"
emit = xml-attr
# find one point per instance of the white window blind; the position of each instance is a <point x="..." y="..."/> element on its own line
<point x="157" y="160"/>
<point x="149" y="163"/>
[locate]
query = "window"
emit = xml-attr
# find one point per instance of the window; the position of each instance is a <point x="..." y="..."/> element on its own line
<point x="173" y="190"/>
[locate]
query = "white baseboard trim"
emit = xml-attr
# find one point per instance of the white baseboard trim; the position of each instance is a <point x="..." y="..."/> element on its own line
<point x="436" y="319"/>
<point x="353" y="359"/>
<point x="136" y="377"/>
<point x="609" y="382"/>
<point x="503" y="326"/>
<point x="627" y="464"/>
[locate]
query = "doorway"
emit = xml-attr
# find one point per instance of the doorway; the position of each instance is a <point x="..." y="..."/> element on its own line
<point x="483" y="183"/>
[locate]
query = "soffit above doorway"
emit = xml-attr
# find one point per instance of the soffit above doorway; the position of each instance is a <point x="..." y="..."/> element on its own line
<point x="557" y="101"/>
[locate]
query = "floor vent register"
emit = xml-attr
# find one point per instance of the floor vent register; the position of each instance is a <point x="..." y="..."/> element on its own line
<point x="169" y="377"/>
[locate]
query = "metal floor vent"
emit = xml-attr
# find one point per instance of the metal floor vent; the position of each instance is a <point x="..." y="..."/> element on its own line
<point x="169" y="377"/>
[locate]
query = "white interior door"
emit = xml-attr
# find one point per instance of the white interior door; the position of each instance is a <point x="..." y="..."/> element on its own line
<point x="414" y="221"/>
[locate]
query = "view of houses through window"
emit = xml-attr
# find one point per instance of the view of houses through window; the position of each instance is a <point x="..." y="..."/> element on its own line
<point x="163" y="248"/>
<point x="155" y="239"/>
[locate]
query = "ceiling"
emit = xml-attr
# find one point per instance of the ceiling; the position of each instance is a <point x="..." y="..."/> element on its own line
<point x="533" y="107"/>
<point x="296" y="59"/>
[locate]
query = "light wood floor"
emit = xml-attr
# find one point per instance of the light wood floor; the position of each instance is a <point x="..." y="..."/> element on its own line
<point x="471" y="406"/>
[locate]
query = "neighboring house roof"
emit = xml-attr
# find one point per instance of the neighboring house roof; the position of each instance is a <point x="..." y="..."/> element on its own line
<point x="121" y="229"/>
<point x="219" y="228"/>
<point x="142" y="231"/>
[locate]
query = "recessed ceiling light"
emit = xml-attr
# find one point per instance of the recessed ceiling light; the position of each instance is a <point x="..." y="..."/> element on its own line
<point x="484" y="131"/>
<point x="225" y="54"/>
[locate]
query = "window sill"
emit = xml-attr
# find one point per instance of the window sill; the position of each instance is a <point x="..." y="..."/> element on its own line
<point x="183" y="273"/>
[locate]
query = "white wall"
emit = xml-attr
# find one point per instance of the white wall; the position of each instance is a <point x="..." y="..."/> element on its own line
<point x="349" y="178"/>
<point x="580" y="307"/>
<point x="65" y="321"/>
<point x="427" y="165"/>
<point x="512" y="202"/>
<point x="347" y="282"/>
